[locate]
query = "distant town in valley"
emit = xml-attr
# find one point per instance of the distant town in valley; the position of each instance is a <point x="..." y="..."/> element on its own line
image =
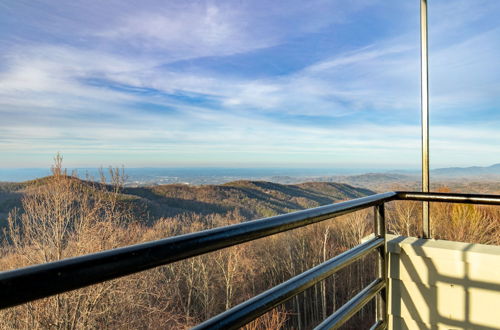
<point x="368" y="178"/>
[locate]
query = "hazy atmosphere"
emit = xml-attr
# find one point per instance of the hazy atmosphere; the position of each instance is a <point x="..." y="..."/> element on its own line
<point x="246" y="83"/>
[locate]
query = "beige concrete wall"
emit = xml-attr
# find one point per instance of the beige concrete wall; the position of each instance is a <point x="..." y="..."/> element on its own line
<point x="438" y="284"/>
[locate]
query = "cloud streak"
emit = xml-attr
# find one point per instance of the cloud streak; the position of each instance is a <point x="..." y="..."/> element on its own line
<point x="141" y="82"/>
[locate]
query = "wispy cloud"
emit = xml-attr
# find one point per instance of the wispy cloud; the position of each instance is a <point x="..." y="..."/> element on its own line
<point x="193" y="31"/>
<point x="106" y="81"/>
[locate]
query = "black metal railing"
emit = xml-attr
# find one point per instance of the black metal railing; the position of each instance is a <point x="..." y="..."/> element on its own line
<point x="39" y="281"/>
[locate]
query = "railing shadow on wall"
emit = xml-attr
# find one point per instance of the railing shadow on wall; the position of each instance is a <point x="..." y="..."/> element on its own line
<point x="435" y="288"/>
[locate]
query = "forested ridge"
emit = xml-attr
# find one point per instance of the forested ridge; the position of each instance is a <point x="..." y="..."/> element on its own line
<point x="63" y="216"/>
<point x="250" y="199"/>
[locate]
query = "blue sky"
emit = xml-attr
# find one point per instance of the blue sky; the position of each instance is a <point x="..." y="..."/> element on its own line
<point x="246" y="83"/>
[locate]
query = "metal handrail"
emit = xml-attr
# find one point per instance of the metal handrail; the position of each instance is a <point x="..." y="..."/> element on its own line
<point x="30" y="283"/>
<point x="39" y="281"/>
<point x="344" y="313"/>
<point x="449" y="197"/>
<point x="264" y="302"/>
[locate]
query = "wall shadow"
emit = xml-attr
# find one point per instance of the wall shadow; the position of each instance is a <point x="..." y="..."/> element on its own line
<point x="423" y="295"/>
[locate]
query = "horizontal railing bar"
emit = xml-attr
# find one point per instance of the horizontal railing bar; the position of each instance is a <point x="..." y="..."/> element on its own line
<point x="379" y="325"/>
<point x="264" y="302"/>
<point x="350" y="308"/>
<point x="449" y="197"/>
<point x="34" y="282"/>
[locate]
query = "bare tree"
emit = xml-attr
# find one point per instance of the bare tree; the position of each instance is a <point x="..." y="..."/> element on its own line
<point x="61" y="217"/>
<point x="404" y="220"/>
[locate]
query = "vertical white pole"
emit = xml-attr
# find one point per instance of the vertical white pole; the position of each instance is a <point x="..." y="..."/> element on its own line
<point x="424" y="79"/>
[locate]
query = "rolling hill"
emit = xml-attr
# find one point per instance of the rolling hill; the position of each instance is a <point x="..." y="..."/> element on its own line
<point x="251" y="199"/>
<point x="468" y="171"/>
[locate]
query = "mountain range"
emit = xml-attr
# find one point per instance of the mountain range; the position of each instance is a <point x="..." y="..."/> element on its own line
<point x="468" y="171"/>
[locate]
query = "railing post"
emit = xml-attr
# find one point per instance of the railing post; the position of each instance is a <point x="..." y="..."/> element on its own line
<point x="381" y="301"/>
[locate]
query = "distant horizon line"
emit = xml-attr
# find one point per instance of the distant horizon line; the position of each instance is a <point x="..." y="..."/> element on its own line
<point x="233" y="173"/>
<point x="323" y="167"/>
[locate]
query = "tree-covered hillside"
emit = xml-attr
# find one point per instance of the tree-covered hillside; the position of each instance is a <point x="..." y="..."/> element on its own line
<point x="249" y="199"/>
